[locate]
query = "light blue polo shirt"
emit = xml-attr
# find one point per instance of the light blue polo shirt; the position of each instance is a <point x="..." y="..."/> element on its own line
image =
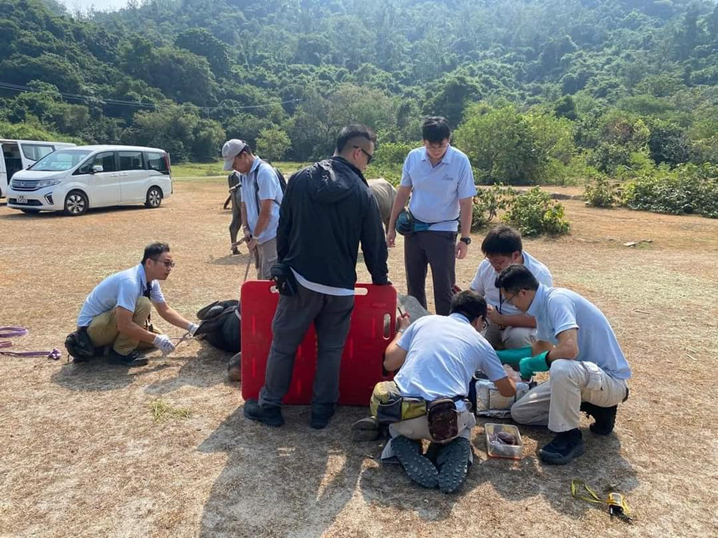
<point x="269" y="189"/>
<point x="436" y="190"/>
<point x="121" y="289"/>
<point x="443" y="352"/>
<point x="558" y="309"/>
<point x="484" y="283"/>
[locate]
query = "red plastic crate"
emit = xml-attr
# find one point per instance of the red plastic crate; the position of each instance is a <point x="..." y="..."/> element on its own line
<point x="362" y="359"/>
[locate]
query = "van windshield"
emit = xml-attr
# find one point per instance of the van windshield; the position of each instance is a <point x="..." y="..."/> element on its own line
<point x="61" y="160"/>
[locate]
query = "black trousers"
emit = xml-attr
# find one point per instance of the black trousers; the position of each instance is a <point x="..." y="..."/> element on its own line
<point x="437" y="249"/>
<point x="331" y="316"/>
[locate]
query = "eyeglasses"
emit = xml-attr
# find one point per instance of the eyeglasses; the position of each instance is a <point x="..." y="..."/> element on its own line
<point x="437" y="147"/>
<point x="503" y="300"/>
<point x="167" y="263"/>
<point x="369" y="156"/>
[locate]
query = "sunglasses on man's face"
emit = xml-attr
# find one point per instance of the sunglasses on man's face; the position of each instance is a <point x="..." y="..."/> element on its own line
<point x="369" y="156"/>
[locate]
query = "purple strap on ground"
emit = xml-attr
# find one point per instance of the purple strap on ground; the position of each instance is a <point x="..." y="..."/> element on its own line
<point x="14" y="332"/>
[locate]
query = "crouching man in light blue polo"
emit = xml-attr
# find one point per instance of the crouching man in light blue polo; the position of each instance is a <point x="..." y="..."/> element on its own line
<point x="117" y="310"/>
<point x="588" y="370"/>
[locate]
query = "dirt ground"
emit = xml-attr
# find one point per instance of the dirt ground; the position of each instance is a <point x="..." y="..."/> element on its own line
<point x="81" y="455"/>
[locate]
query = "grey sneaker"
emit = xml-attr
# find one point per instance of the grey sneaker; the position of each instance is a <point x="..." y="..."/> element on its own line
<point x="453" y="462"/>
<point x="417" y="466"/>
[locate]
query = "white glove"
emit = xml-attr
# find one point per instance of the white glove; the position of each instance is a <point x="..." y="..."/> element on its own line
<point x="164" y="344"/>
<point x="192" y="329"/>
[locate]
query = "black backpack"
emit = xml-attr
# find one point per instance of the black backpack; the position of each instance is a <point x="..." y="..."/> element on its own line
<point x="221" y="322"/>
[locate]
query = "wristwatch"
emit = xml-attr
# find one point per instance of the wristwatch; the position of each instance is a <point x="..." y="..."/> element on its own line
<point x="466" y="240"/>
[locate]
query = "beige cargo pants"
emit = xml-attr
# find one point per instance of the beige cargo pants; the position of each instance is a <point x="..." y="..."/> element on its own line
<point x="557" y="402"/>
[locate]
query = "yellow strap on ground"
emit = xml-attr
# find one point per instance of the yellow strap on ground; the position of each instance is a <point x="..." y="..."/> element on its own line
<point x="614" y="499"/>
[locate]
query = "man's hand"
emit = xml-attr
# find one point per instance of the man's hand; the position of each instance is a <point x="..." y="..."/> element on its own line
<point x="252" y="244"/>
<point x="493" y="315"/>
<point x="192" y="329"/>
<point x="164" y="344"/>
<point x="390" y="237"/>
<point x="403" y="322"/>
<point x="462" y="249"/>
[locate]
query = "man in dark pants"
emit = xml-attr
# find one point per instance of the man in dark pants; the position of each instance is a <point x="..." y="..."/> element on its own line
<point x="441" y="184"/>
<point x="328" y="209"/>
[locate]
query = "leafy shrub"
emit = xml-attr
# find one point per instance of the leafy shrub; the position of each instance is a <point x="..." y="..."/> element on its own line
<point x="600" y="192"/>
<point x="535" y="213"/>
<point x="487" y="203"/>
<point x="392" y="173"/>
<point x="688" y="189"/>
<point x="391" y="153"/>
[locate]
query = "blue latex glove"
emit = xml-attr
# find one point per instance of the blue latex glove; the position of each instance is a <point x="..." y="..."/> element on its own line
<point x="530" y="365"/>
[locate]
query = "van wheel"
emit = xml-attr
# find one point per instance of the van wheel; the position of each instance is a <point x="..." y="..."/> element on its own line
<point x="154" y="198"/>
<point x="76" y="204"/>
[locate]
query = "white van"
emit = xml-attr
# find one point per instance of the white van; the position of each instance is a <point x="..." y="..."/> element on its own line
<point x="75" y="179"/>
<point x="19" y="154"/>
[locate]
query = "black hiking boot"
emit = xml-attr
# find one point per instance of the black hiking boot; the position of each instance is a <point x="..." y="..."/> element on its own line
<point x="319" y="421"/>
<point x="564" y="447"/>
<point x="130" y="360"/>
<point x="453" y="462"/>
<point x="269" y="416"/>
<point x="366" y="429"/>
<point x="605" y="417"/>
<point x="417" y="466"/>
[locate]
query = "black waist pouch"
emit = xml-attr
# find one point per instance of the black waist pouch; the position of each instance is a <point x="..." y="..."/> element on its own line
<point x="284" y="279"/>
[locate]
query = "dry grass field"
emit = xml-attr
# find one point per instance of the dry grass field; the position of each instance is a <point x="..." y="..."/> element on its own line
<point x="82" y="454"/>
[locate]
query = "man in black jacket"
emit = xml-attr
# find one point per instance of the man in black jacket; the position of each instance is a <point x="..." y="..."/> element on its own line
<point x="328" y="209"/>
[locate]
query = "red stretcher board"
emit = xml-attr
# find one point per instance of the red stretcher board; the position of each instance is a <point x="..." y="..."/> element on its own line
<point x="362" y="359"/>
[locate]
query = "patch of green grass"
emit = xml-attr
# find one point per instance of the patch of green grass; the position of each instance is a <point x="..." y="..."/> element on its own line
<point x="214" y="169"/>
<point x="162" y="411"/>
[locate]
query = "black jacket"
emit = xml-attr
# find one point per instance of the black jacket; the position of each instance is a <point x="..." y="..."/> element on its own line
<point x="327" y="210"/>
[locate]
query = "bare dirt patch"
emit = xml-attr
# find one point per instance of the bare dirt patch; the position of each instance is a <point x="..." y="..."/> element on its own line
<point x="82" y="455"/>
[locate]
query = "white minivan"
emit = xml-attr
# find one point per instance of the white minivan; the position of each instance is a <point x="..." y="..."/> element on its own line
<point x="76" y="179"/>
<point x="19" y="154"/>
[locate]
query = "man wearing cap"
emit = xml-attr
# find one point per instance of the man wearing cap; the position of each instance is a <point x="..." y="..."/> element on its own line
<point x="261" y="197"/>
<point x="440" y="182"/>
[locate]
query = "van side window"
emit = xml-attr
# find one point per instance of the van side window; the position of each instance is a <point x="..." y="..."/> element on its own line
<point x="157" y="162"/>
<point x="105" y="159"/>
<point x="35" y="152"/>
<point x="131" y="160"/>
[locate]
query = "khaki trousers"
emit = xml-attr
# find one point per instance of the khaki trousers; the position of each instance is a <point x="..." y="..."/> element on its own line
<point x="510" y="337"/>
<point x="266" y="257"/>
<point x="103" y="328"/>
<point x="557" y="402"/>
